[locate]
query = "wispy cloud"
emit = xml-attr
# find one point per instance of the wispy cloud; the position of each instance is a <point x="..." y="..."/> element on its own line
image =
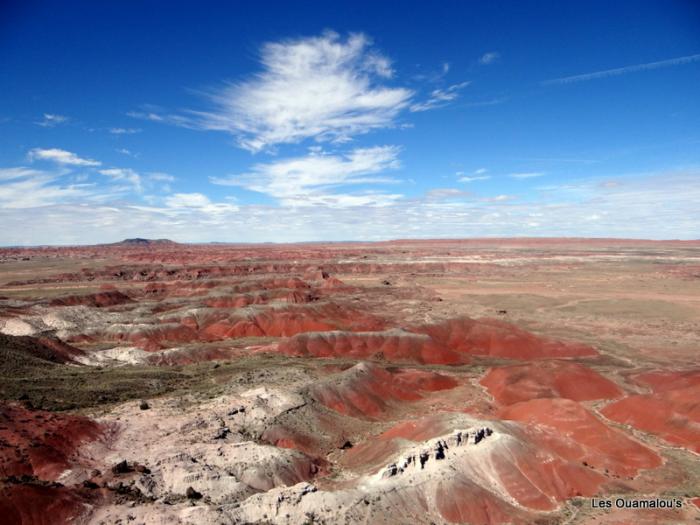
<point x="61" y="156"/>
<point x="314" y="179"/>
<point x="623" y="70"/>
<point x="584" y="207"/>
<point x="324" y="88"/>
<point x="28" y="188"/>
<point x="50" y="120"/>
<point x="489" y="58"/>
<point x="161" y="177"/>
<point x="124" y="131"/>
<point x="198" y="202"/>
<point x="474" y="178"/>
<point x="433" y="76"/>
<point x="124" y="174"/>
<point x="527" y="175"/>
<point x="439" y="97"/>
<point x="478" y="174"/>
<point x="127" y="152"/>
<point x="439" y="194"/>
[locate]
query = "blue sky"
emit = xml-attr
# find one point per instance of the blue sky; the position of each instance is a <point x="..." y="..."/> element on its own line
<point x="307" y="121"/>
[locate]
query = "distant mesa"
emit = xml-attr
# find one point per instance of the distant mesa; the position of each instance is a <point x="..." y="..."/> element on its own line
<point x="138" y="241"/>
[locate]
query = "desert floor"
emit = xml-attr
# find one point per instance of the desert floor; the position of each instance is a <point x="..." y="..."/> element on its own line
<point x="444" y="381"/>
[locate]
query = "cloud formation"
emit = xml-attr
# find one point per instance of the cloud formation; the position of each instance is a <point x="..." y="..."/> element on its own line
<point x="50" y="120"/>
<point x="587" y="207"/>
<point x="439" y="97"/>
<point x="126" y="175"/>
<point x="478" y="174"/>
<point x="124" y="131"/>
<point x="22" y="188"/>
<point x="313" y="179"/>
<point x="489" y="58"/>
<point x="526" y="175"/>
<point x="61" y="156"/>
<point x="324" y="88"/>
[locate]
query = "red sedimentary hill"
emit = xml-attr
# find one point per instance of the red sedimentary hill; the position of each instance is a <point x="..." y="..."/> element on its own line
<point x="548" y="379"/>
<point x="96" y="300"/>
<point x="367" y="390"/>
<point x="35" y="448"/>
<point x="504" y="472"/>
<point x="451" y="342"/>
<point x="588" y="440"/>
<point x="38" y="443"/>
<point x="391" y="345"/>
<point x="490" y="337"/>
<point x="37" y="503"/>
<point x="671" y="412"/>
<point x="220" y="324"/>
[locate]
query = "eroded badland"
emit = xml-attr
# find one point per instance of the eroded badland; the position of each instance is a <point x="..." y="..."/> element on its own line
<point x="481" y="381"/>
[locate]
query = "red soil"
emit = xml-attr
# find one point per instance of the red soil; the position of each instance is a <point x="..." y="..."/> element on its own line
<point x="283" y="437"/>
<point x="279" y="322"/>
<point x="96" y="300"/>
<point x="490" y="337"/>
<point x="516" y="383"/>
<point x="40" y="505"/>
<point x="285" y="322"/>
<point x="446" y="343"/>
<point x="672" y="412"/>
<point x="462" y="501"/>
<point x="38" y="443"/>
<point x="395" y="346"/>
<point x="155" y="337"/>
<point x="663" y="381"/>
<point x="237" y="301"/>
<point x="366" y="391"/>
<point x="588" y="440"/>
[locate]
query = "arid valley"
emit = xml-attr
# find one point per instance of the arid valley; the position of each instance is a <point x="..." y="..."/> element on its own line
<point x="467" y="381"/>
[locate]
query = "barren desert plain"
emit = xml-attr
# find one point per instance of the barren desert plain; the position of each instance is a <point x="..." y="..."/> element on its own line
<point x="544" y="381"/>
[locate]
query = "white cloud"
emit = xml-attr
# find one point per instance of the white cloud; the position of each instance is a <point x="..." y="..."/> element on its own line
<point x="489" y="58"/>
<point x="478" y="174"/>
<point x="126" y="152"/>
<point x="325" y="88"/>
<point x="303" y="181"/>
<point x="662" y="205"/>
<point x="440" y="97"/>
<point x="187" y="200"/>
<point x="445" y="193"/>
<point x="161" y="177"/>
<point x="623" y="70"/>
<point x="60" y="156"/>
<point x="197" y="203"/>
<point x="146" y="115"/>
<point x="124" y="131"/>
<point x="30" y="188"/>
<point x="526" y="175"/>
<point x="474" y="178"/>
<point x="16" y="173"/>
<point x="50" y="120"/>
<point x="501" y="198"/>
<point x="124" y="174"/>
